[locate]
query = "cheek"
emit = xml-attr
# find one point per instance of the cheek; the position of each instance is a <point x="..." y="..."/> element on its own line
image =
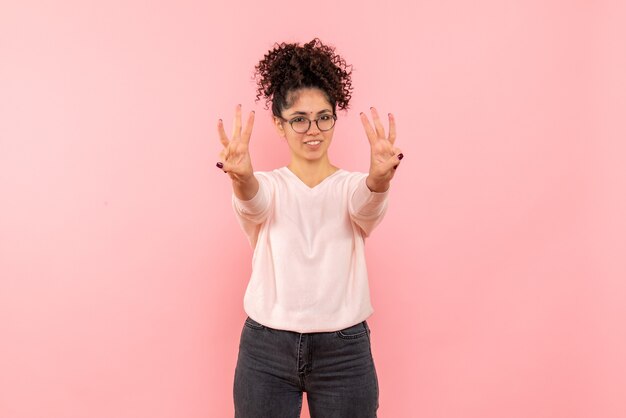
<point x="294" y="137"/>
<point x="293" y="142"/>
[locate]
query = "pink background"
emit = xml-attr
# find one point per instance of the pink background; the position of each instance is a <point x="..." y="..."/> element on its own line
<point x="497" y="277"/>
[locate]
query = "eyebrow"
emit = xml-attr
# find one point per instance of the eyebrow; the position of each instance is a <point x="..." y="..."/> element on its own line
<point x="304" y="113"/>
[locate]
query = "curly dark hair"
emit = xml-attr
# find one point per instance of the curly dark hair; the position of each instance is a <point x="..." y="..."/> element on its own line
<point x="288" y="67"/>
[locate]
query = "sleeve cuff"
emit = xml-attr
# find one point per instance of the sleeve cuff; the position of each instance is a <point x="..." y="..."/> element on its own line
<point x="253" y="206"/>
<point x="364" y="196"/>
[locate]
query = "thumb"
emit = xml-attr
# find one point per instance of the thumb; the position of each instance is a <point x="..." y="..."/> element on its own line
<point x="393" y="162"/>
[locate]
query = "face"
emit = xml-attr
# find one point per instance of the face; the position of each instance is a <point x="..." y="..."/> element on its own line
<point x="310" y="103"/>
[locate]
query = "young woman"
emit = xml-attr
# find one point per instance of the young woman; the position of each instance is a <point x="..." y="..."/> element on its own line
<point x="308" y="297"/>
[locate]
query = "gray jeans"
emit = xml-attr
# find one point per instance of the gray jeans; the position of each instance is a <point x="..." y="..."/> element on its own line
<point x="335" y="369"/>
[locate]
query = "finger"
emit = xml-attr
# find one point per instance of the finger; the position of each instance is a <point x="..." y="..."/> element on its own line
<point x="222" y="158"/>
<point x="233" y="166"/>
<point x="224" y="154"/>
<point x="222" y="133"/>
<point x="247" y="132"/>
<point x="369" y="131"/>
<point x="237" y="123"/>
<point x="400" y="156"/>
<point x="226" y="166"/>
<point x="380" y="131"/>
<point x="392" y="163"/>
<point x="392" y="128"/>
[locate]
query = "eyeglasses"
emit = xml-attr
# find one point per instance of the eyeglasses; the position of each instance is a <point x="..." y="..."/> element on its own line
<point x="301" y="124"/>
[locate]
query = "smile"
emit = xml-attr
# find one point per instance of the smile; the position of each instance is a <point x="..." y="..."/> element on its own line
<point x="313" y="142"/>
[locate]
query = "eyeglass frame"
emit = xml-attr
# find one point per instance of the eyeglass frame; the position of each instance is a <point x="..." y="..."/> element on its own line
<point x="291" y="121"/>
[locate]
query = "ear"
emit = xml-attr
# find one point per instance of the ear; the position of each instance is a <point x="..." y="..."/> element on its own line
<point x="278" y="125"/>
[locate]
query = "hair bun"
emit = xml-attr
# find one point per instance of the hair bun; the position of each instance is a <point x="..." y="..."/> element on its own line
<point x="288" y="67"/>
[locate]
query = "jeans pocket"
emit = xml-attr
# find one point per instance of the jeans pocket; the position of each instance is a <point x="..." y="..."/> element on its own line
<point x="359" y="330"/>
<point x="251" y="323"/>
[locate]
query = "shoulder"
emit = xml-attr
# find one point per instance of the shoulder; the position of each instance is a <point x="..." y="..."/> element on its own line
<point x="269" y="176"/>
<point x="351" y="177"/>
<point x="352" y="174"/>
<point x="273" y="179"/>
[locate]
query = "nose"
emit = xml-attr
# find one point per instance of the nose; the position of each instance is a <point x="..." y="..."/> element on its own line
<point x="313" y="128"/>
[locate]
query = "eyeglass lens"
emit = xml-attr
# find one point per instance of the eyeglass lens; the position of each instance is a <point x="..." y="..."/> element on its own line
<point x="324" y="123"/>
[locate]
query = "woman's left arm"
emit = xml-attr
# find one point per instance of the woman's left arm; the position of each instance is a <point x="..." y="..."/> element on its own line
<point x="385" y="157"/>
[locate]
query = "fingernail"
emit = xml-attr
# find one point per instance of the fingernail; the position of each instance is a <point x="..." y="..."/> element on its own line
<point x="253" y="111"/>
<point x="400" y="156"/>
<point x="219" y="165"/>
<point x="224" y="171"/>
<point x="395" y="166"/>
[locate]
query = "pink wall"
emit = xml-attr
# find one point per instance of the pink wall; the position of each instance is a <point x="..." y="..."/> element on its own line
<point x="498" y="275"/>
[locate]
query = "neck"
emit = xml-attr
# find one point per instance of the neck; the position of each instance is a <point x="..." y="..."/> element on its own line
<point x="312" y="172"/>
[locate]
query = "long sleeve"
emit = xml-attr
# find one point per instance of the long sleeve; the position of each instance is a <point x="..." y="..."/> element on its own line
<point x="367" y="208"/>
<point x="252" y="213"/>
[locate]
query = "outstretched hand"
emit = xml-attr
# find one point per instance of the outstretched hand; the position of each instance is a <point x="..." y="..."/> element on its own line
<point x="235" y="157"/>
<point x="385" y="157"/>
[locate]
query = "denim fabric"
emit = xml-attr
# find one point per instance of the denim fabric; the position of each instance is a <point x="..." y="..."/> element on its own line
<point x="335" y="369"/>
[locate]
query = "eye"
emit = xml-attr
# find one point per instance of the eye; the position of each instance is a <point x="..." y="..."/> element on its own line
<point x="326" y="117"/>
<point x="298" y="119"/>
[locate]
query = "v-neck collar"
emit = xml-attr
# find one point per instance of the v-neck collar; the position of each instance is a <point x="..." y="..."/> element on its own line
<point x="303" y="184"/>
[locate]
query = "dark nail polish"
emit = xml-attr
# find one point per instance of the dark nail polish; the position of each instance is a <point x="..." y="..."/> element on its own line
<point x="224" y="171"/>
<point x="219" y="165"/>
<point x="400" y="156"/>
<point x="395" y="166"/>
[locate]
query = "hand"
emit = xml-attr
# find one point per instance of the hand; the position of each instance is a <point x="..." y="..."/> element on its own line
<point x="385" y="157"/>
<point x="235" y="157"/>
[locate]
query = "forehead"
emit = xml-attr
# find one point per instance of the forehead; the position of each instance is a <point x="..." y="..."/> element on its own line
<point x="308" y="100"/>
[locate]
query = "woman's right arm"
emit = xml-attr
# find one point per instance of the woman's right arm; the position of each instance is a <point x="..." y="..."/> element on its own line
<point x="235" y="157"/>
<point x="246" y="190"/>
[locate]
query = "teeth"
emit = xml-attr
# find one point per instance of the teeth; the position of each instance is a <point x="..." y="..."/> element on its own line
<point x="313" y="142"/>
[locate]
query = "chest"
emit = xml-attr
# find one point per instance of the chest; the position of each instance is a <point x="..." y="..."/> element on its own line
<point x="320" y="212"/>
